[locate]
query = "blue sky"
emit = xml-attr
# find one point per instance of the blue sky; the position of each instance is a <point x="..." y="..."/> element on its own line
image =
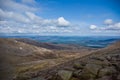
<point x="60" y="17"/>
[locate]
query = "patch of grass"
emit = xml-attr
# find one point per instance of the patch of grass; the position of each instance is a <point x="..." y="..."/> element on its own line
<point x="29" y="68"/>
<point x="77" y="66"/>
<point x="22" y="73"/>
<point x="40" y="66"/>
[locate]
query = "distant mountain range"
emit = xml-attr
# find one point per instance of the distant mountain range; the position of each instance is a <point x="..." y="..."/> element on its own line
<point x="87" y="41"/>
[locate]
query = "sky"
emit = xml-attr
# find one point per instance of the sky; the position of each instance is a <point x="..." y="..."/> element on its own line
<point x="60" y="17"/>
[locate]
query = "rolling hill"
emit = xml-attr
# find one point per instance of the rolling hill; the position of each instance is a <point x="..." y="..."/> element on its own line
<point x="25" y="59"/>
<point x="102" y="64"/>
<point x="24" y="56"/>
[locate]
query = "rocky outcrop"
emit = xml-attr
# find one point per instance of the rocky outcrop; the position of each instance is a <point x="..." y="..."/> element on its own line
<point x="100" y="65"/>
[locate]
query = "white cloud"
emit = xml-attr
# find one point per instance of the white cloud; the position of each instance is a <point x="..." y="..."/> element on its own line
<point x="13" y="16"/>
<point x="117" y="25"/>
<point x="32" y="16"/>
<point x="52" y="27"/>
<point x="21" y="18"/>
<point x="16" y="27"/>
<point x="13" y="5"/>
<point x="108" y="21"/>
<point x="109" y="27"/>
<point x="93" y="26"/>
<point x="63" y="22"/>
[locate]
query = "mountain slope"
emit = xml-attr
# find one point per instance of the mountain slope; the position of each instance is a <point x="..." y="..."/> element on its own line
<point x="13" y="52"/>
<point x="19" y="58"/>
<point x="29" y="61"/>
<point x="50" y="45"/>
<point x="103" y="64"/>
